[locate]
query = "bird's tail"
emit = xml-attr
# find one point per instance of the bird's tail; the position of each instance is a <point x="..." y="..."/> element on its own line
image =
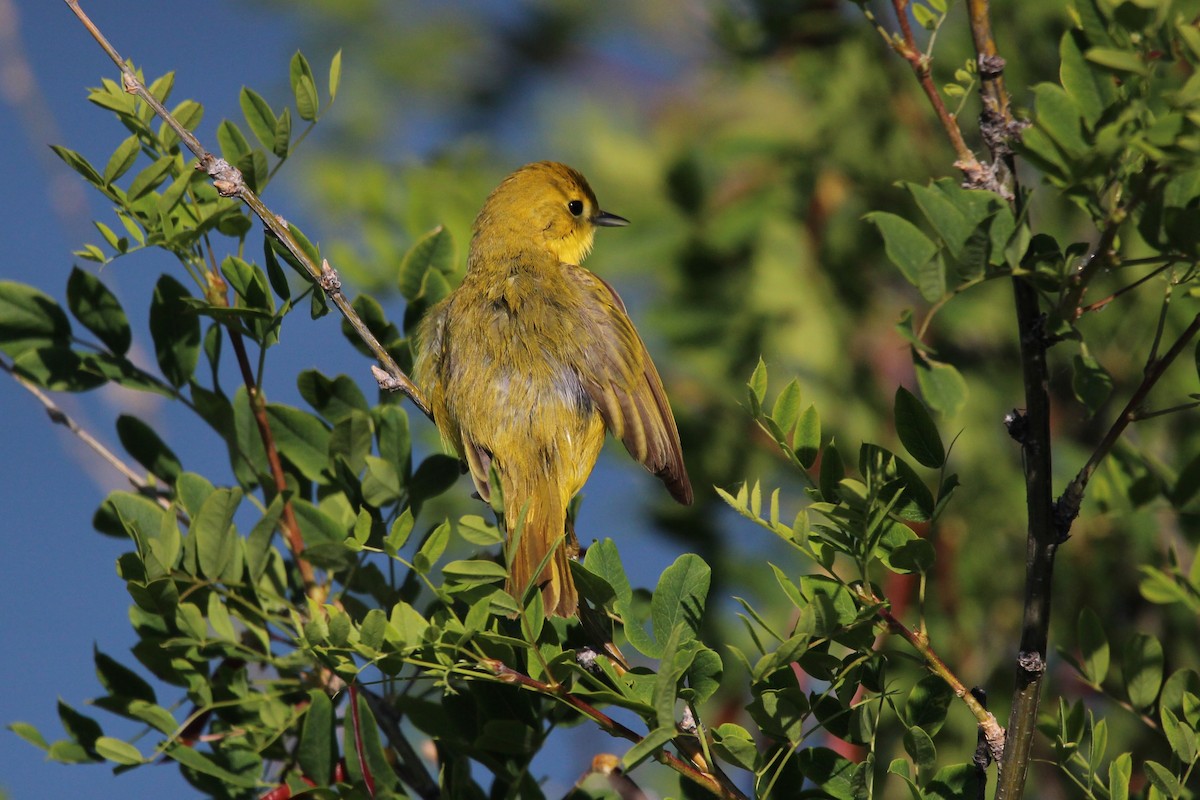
<point x="537" y="523"/>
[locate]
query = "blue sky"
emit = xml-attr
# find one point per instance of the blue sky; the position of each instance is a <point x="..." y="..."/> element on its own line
<point x="58" y="587"/>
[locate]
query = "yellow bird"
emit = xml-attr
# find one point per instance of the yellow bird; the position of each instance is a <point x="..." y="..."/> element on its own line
<point x="531" y="359"/>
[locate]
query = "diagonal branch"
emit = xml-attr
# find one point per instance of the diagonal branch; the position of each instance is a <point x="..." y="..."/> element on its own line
<point x="717" y="783"/>
<point x="229" y="182"/>
<point x="991" y="730"/>
<point x="1068" y="504"/>
<point x="60" y="417"/>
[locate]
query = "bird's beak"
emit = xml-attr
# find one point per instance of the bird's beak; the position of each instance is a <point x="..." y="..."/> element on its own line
<point x="607" y="220"/>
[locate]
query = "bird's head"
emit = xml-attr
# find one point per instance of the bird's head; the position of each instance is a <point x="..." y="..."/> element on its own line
<point x="545" y="204"/>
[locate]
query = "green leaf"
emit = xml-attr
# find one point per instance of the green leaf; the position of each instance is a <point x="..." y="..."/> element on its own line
<point x="941" y="384"/>
<point x="808" y="437"/>
<point x="680" y="597"/>
<point x="1089" y="381"/>
<point x="335" y="74"/>
<point x="98" y="310"/>
<point x="80" y="164"/>
<point x="214" y="532"/>
<point x="432" y="548"/>
<point x="786" y="410"/>
<point x="232" y="142"/>
<point x="1117" y="60"/>
<point x="362" y="741"/>
<point x="1059" y="117"/>
<point x="399" y="533"/>
<point x="141" y="442"/>
<point x="301" y="438"/>
<point x="931" y="279"/>
<point x="832" y="472"/>
<point x="474" y="571"/>
<point x="921" y="749"/>
<point x="1163" y="779"/>
<point x="954" y="782"/>
<point x="433" y="251"/>
<point x="1142" y="668"/>
<point x="382" y="485"/>
<point x="1093" y="647"/>
<point x="475" y="530"/>
<point x="250" y="283"/>
<point x="1120" y="771"/>
<point x="351" y="440"/>
<point x="734" y="745"/>
<point x="58" y="368"/>
<point x="704" y="675"/>
<point x="602" y="559"/>
<point x="149" y="177"/>
<point x="928" y="703"/>
<point x="193" y="759"/>
<point x="758" y="387"/>
<point x="650" y="743"/>
<point x="924" y="16"/>
<point x="26" y="313"/>
<point x="117" y="750"/>
<point x="259" y="116"/>
<point x="334" y="399"/>
<point x="317" y="750"/>
<point x="119" y="680"/>
<point x="906" y="246"/>
<point x="122" y="159"/>
<point x="29" y="734"/>
<point x="1079" y="79"/>
<point x="304" y="87"/>
<point x="917" y="431"/>
<point x="283" y="134"/>
<point x="1180" y="736"/>
<point x="175" y="330"/>
<point x="258" y="543"/>
<point x="82" y="729"/>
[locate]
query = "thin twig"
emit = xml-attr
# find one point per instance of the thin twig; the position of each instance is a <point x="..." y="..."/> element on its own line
<point x="707" y="780"/>
<point x="1101" y="256"/>
<point x="1099" y="304"/>
<point x="978" y="175"/>
<point x="60" y="417"/>
<point x="229" y="182"/>
<point x="991" y="730"/>
<point x="1072" y="496"/>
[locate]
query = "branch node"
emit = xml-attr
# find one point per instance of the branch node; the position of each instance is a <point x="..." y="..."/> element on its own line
<point x="386" y="382"/>
<point x="329" y="280"/>
<point x="1017" y="424"/>
<point x="1031" y="663"/>
<point x="226" y="178"/>
<point x="1065" y="510"/>
<point x="991" y="66"/>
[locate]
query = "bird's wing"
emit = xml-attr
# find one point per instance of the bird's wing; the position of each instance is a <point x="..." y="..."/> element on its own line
<point x="618" y="375"/>
<point x="429" y="368"/>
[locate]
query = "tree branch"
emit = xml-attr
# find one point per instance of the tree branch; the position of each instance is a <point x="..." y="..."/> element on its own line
<point x="229" y="182"/>
<point x="991" y="730"/>
<point x="60" y="417"/>
<point x="1072" y="497"/>
<point x="712" y="782"/>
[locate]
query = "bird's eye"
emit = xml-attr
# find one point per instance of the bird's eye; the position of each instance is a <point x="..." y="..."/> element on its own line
<point x="575" y="207"/>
